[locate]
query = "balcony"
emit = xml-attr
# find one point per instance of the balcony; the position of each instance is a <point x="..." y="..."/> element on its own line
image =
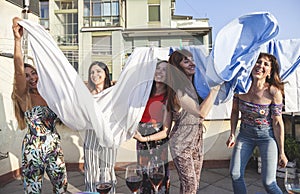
<point x="67" y="40"/>
<point x="101" y="22"/>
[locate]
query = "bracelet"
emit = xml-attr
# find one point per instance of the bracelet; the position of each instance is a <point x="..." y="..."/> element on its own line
<point x="149" y="138"/>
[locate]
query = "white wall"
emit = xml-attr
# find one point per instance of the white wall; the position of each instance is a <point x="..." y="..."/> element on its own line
<point x="10" y="137"/>
<point x="137" y="14"/>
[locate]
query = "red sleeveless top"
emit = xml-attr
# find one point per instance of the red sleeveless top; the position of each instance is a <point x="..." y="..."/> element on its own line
<point x="154" y="109"/>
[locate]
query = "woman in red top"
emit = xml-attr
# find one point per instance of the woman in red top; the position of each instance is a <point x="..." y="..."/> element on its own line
<point x="152" y="135"/>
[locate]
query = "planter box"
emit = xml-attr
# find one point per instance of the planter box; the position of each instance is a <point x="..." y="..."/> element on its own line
<point x="291" y="166"/>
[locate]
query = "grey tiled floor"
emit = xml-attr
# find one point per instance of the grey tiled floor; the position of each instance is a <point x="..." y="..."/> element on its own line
<point x="213" y="181"/>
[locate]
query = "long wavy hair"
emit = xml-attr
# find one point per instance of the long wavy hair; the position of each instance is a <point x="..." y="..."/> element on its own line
<point x="177" y="79"/>
<point x="153" y="89"/>
<point x="274" y="78"/>
<point x="107" y="81"/>
<point x="19" y="113"/>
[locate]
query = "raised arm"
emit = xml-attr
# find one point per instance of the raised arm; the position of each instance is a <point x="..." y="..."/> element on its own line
<point x="20" y="78"/>
<point x="208" y="102"/>
<point x="193" y="107"/>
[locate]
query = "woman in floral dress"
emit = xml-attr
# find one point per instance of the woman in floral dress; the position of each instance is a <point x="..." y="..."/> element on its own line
<point x="41" y="149"/>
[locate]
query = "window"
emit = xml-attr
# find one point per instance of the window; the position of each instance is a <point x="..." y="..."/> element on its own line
<point x="86" y="9"/>
<point x="44" y="14"/>
<point x="69" y="34"/>
<point x="101" y="13"/>
<point x="154" y="13"/>
<point x="154" y="10"/>
<point x="101" y="45"/>
<point x="63" y="5"/>
<point x="96" y="9"/>
<point x="72" y="57"/>
<point x="115" y="8"/>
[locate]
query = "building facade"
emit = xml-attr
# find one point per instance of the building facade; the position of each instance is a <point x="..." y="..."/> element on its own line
<point x="89" y="30"/>
<point x="109" y="30"/>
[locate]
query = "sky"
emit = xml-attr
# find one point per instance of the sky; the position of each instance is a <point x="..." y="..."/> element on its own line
<point x="221" y="12"/>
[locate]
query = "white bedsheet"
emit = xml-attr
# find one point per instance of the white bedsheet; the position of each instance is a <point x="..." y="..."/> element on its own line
<point x="115" y="113"/>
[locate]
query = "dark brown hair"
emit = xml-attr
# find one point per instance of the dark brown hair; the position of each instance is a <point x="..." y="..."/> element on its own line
<point x="177" y="79"/>
<point x="274" y="79"/>
<point x="107" y="81"/>
<point x="153" y="89"/>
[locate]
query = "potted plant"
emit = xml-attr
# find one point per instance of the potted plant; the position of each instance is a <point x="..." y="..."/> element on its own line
<point x="292" y="149"/>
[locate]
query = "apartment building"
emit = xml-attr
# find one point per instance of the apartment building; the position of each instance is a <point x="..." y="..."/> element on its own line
<point x="109" y="30"/>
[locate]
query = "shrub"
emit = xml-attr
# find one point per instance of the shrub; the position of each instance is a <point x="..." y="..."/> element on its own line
<point x="292" y="149"/>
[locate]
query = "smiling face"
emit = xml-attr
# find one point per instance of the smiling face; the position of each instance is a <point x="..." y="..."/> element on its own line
<point x="31" y="77"/>
<point x="161" y="72"/>
<point x="262" y="68"/>
<point x="188" y="66"/>
<point x="97" y="75"/>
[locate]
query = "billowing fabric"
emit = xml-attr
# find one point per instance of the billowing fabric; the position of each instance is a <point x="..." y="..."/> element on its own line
<point x="287" y="53"/>
<point x="292" y="91"/>
<point x="237" y="45"/>
<point x="236" y="50"/>
<point x="200" y="55"/>
<point x="99" y="162"/>
<point x="42" y="152"/>
<point x="114" y="114"/>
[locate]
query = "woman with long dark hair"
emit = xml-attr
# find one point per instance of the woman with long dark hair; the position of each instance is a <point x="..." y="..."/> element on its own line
<point x="261" y="125"/>
<point x="97" y="159"/>
<point x="188" y="112"/>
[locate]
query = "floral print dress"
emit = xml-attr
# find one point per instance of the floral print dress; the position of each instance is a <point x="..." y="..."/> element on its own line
<point x="41" y="151"/>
